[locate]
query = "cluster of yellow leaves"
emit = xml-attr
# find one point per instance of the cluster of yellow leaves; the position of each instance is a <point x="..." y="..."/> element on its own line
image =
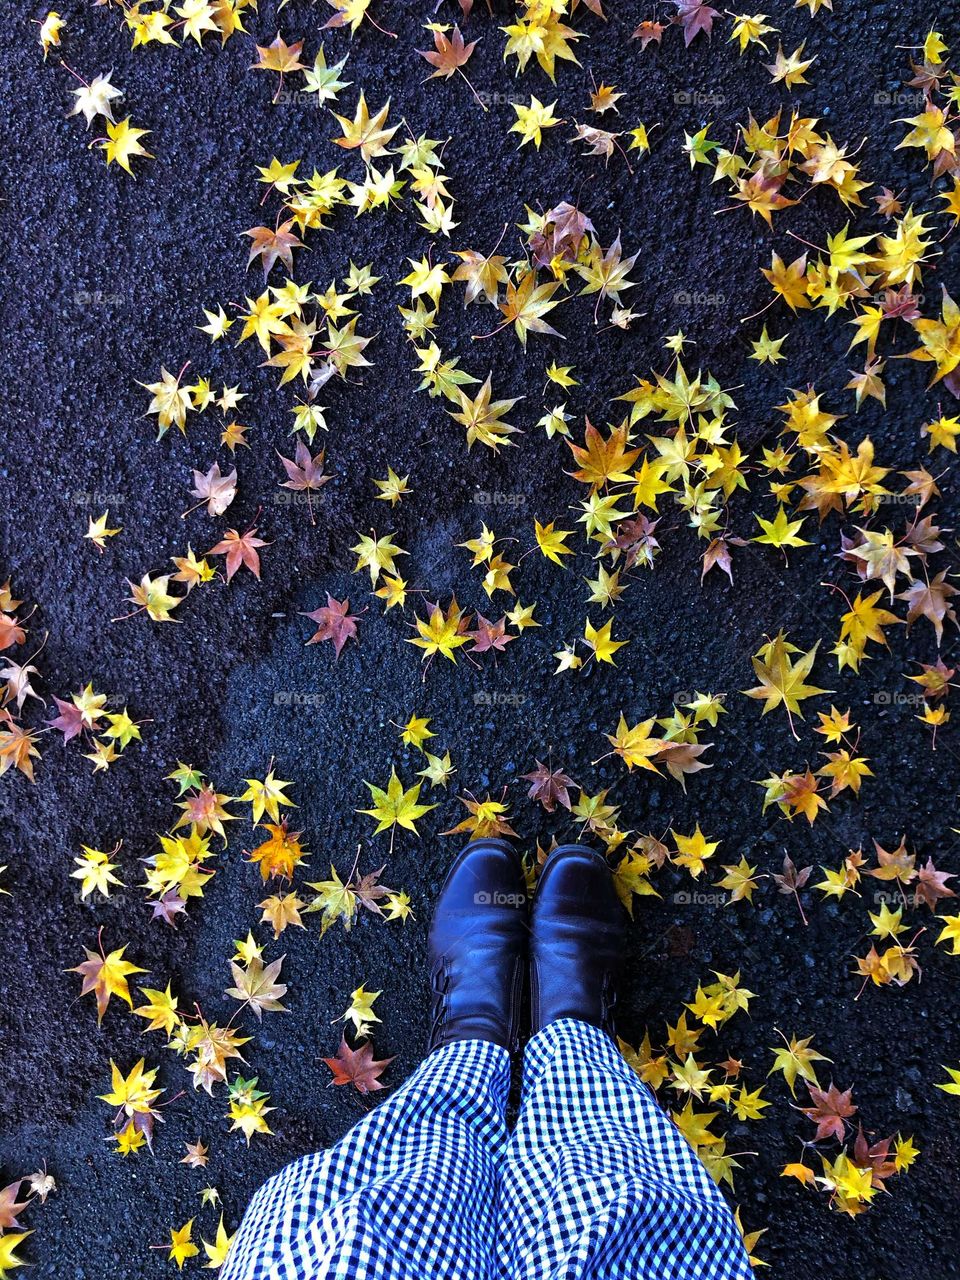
<point x="535" y="118"/>
<point x="181" y="1246"/>
<point x="12" y="1234"/>
<point x="177" y="873"/>
<point x="800" y="793"/>
<point x="539" y="31"/>
<point x="172" y="400"/>
<point x="527" y="298"/>
<point x="853" y="1175"/>
<point x="699" y="456"/>
<point x="341" y="900"/>
<point x="896" y="963"/>
<point x="770" y="159"/>
<point x="153" y="595"/>
<point x="414" y="167"/>
<point x="677" y="746"/>
<point x="817" y="471"/>
<point x="287" y="321"/>
<point x="875" y="276"/>
<point x="930" y="129"/>
<point x="446" y="629"/>
<point x="197" y="19"/>
<point x="703" y="1086"/>
<point x="845" y="1178"/>
<point x="83" y="717"/>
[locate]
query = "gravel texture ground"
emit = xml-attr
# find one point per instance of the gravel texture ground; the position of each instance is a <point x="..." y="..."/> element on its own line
<point x="104" y="280"/>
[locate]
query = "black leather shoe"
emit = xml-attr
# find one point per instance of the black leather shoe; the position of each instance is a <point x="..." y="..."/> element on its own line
<point x="478" y="947"/>
<point x="578" y="935"/>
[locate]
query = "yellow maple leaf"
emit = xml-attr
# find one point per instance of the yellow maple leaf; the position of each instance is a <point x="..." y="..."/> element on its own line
<point x="122" y="144"/>
<point x="552" y="541"/>
<point x="181" y="1246"/>
<point x="600" y="641"/>
<point x="693" y="851"/>
<point x="105" y="976"/>
<point x="442" y="632"/>
<point x="635" y="746"/>
<point x="783" y="681"/>
<point x="396" y="807"/>
<point x="366" y="132"/>
<point x="218" y="1251"/>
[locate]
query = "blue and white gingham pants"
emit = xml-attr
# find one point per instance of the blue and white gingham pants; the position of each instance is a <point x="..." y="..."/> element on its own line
<point x="595" y="1181"/>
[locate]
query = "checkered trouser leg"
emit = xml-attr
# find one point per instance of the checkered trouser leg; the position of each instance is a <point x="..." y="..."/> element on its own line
<point x="409" y="1194"/>
<point x="597" y="1182"/>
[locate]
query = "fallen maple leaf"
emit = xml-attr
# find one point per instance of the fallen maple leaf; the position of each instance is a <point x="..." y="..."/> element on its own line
<point x="830" y="1109"/>
<point x="280" y="57"/>
<point x="696" y="18"/>
<point x="273" y="244"/>
<point x="105" y="976"/>
<point x="239" y="549"/>
<point x="10" y="1206"/>
<point x="304" y="473"/>
<point x="783" y="681"/>
<point x="484" y="818"/>
<point x="257" y="987"/>
<point x="334" y="623"/>
<point x="395" y="806"/>
<point x="357" y="1067"/>
<point x="549" y="786"/>
<point x="216" y="490"/>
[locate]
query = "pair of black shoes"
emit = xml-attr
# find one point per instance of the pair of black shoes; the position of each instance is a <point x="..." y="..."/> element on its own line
<point x="485" y="938"/>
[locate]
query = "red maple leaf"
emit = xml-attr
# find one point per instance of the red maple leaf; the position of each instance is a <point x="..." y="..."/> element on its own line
<point x="695" y="17"/>
<point x="10" y="1206"/>
<point x="489" y="635"/>
<point x="334" y="623"/>
<point x="830" y="1109"/>
<point x="239" y="548"/>
<point x="875" y="1157"/>
<point x="549" y="786"/>
<point x="69" y="721"/>
<point x="932" y="884"/>
<point x="358" y="1067"/>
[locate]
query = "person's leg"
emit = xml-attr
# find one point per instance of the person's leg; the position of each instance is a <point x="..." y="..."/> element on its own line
<point x="411" y="1192"/>
<point x="597" y="1181"/>
<point x="408" y="1194"/>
